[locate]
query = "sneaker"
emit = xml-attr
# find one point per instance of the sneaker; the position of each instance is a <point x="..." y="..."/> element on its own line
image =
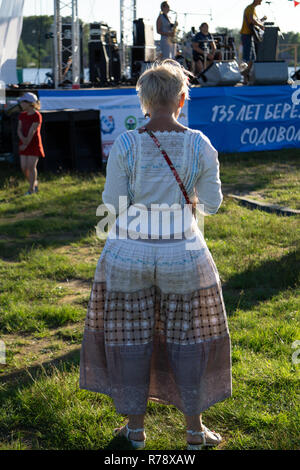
<point x="36" y="189"/>
<point x="28" y="192"/>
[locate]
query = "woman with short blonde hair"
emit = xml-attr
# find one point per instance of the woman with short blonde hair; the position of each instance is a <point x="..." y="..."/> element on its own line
<point x="156" y="326"/>
<point x="162" y="84"/>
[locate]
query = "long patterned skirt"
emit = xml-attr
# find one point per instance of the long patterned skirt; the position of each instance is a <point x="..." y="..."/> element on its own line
<point x="156" y="328"/>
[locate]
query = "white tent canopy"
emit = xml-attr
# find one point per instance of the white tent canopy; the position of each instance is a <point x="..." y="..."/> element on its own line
<point x="11" y="22"/>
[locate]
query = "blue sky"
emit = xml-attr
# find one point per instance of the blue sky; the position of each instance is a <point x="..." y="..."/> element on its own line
<point x="226" y="13"/>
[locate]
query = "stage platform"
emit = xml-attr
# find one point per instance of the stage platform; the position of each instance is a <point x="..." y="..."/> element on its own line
<point x="236" y="119"/>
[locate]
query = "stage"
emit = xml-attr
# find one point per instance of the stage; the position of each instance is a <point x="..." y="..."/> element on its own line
<point x="236" y="119"/>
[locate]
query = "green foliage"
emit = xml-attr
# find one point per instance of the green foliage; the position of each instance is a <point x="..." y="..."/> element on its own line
<point x="23" y="56"/>
<point x="35" y="49"/>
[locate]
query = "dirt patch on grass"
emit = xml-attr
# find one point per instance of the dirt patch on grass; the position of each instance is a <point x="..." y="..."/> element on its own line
<point x="76" y="284"/>
<point x="88" y="254"/>
<point x="22" y="216"/>
<point x="29" y="350"/>
<point x="77" y="290"/>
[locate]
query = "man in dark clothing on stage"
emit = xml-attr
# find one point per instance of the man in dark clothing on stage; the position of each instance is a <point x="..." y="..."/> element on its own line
<point x="204" y="49"/>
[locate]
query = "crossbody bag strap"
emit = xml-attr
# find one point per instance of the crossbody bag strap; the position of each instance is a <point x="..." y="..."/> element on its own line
<point x="173" y="169"/>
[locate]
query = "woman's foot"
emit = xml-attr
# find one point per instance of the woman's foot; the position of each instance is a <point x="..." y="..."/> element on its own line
<point x="198" y="439"/>
<point x="136" y="436"/>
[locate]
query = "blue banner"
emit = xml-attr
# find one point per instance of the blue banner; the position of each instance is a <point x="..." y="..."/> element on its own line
<point x="247" y="118"/>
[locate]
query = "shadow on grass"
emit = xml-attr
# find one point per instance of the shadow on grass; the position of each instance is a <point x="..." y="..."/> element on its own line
<point x="256" y="284"/>
<point x="25" y="376"/>
<point x="244" y="176"/>
<point x="50" y="229"/>
<point x="16" y="381"/>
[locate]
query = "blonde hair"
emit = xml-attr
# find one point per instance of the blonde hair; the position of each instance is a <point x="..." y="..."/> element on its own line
<point x="36" y="105"/>
<point x="162" y="84"/>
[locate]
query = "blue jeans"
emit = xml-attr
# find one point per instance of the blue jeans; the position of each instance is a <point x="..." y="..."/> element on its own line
<point x="249" y="47"/>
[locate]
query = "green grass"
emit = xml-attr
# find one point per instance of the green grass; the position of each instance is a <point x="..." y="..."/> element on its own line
<point x="272" y="177"/>
<point x="48" y="254"/>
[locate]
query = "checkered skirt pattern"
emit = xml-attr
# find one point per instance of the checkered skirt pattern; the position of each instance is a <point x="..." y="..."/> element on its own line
<point x="134" y="318"/>
<point x="172" y="347"/>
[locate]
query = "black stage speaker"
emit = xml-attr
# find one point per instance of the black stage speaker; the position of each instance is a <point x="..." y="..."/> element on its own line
<point x="98" y="63"/>
<point x="142" y="33"/>
<point x="221" y="73"/>
<point x="115" y="62"/>
<point x="269" y="73"/>
<point x="266" y="50"/>
<point x="6" y="131"/>
<point x="143" y="49"/>
<point x="85" y="140"/>
<point x="143" y="54"/>
<point x="113" y="56"/>
<point x="55" y="133"/>
<point x="9" y="140"/>
<point x="71" y="140"/>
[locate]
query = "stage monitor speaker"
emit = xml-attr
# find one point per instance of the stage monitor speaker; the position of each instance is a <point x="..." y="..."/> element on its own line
<point x="269" y="73"/>
<point x="221" y="73"/>
<point x="6" y="131"/>
<point x="71" y="140"/>
<point x="85" y="140"/>
<point x="266" y="50"/>
<point x="98" y="63"/>
<point x="142" y="33"/>
<point x="55" y="133"/>
<point x="9" y="138"/>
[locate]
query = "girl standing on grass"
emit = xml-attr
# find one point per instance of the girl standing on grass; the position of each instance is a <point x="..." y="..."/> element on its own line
<point x="29" y="133"/>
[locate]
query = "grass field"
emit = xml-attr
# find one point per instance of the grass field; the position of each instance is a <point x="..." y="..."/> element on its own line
<point x="48" y="254"/>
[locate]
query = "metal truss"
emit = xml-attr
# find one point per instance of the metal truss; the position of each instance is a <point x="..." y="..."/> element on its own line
<point x="127" y="16"/>
<point x="66" y="8"/>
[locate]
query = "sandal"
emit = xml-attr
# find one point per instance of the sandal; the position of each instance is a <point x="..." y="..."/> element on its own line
<point x="135" y="444"/>
<point x="209" y="438"/>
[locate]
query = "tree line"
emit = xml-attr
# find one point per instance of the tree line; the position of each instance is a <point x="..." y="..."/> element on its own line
<point x="36" y="44"/>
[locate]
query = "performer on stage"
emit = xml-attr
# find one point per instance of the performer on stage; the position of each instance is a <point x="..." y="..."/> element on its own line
<point x="166" y="29"/>
<point x="250" y="21"/>
<point x="204" y="49"/>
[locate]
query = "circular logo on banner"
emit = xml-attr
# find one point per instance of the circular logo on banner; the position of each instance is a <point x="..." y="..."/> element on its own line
<point x="130" y="123"/>
<point x="107" y="124"/>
